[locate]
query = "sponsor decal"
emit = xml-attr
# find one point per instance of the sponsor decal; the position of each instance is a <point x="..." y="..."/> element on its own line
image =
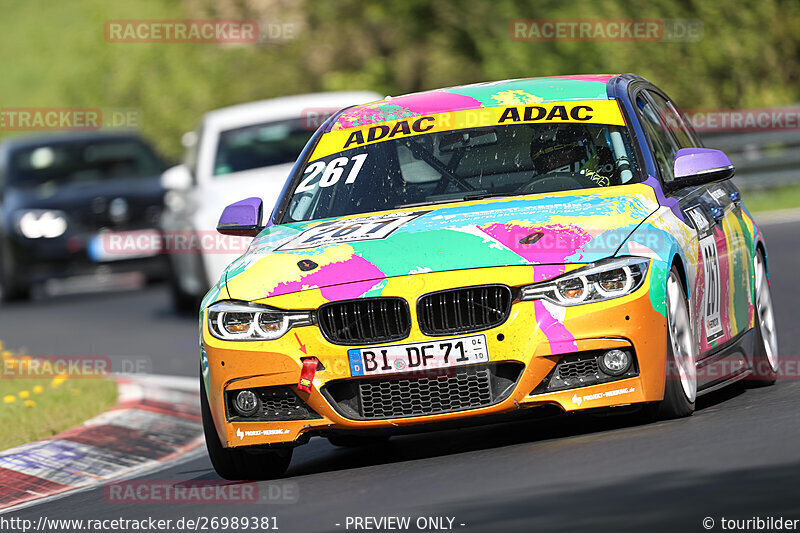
<point x="581" y="111"/>
<point x="259" y="432"/>
<point x="578" y="400"/>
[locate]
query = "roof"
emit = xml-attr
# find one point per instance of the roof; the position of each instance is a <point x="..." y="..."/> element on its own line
<point x="285" y="107"/>
<point x="489" y="94"/>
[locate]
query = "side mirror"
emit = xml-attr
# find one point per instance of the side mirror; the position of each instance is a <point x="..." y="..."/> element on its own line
<point x="177" y="178"/>
<point x="242" y="218"/>
<point x="698" y="166"/>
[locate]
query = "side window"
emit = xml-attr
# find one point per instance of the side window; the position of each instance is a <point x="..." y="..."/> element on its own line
<point x="673" y="120"/>
<point x="663" y="144"/>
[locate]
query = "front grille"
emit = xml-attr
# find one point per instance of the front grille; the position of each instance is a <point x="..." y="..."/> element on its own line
<point x="365" y="321"/>
<point x="277" y="403"/>
<point x="464" y="310"/>
<point x="454" y="389"/>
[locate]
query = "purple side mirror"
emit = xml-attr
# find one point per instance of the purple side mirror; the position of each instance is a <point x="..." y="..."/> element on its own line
<point x="242" y="218"/>
<point x="695" y="166"/>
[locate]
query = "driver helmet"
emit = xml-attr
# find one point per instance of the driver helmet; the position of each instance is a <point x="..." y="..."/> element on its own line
<point x="564" y="148"/>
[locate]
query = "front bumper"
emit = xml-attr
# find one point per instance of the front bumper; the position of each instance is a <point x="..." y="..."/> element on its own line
<point x="534" y="338"/>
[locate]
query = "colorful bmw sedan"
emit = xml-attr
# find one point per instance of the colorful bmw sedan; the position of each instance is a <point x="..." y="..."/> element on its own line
<point x="440" y="258"/>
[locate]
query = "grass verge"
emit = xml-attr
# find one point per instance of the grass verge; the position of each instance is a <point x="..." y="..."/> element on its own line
<point x="785" y="197"/>
<point x="36" y="408"/>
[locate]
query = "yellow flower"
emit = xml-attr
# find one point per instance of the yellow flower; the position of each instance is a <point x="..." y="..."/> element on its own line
<point x="24" y="394"/>
<point x="9" y="398"/>
<point x="57" y="381"/>
<point x="38" y="389"/>
<point x="29" y="403"/>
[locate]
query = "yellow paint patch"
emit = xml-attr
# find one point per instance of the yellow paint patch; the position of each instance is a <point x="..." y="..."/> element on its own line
<point x="516" y="97"/>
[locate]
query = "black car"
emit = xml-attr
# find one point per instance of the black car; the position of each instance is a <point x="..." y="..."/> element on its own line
<point x="60" y="195"/>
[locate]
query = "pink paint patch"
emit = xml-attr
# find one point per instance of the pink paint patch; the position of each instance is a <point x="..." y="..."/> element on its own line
<point x="557" y="243"/>
<point x="556" y="332"/>
<point x="405" y="106"/>
<point x="338" y="281"/>
<point x="603" y="78"/>
<point x="726" y="295"/>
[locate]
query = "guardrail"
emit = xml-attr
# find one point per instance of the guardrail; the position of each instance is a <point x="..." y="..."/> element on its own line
<point x="763" y="159"/>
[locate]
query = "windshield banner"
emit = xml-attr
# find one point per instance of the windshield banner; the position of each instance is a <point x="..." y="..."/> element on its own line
<point x="585" y="112"/>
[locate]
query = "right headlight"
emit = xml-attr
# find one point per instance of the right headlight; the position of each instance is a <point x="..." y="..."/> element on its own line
<point x="604" y="280"/>
<point x="235" y="321"/>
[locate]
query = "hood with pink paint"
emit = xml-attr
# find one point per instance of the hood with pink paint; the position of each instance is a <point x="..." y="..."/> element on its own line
<point x="350" y="257"/>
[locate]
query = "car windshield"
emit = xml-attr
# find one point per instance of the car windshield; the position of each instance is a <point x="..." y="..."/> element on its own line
<point x="460" y="165"/>
<point x="260" y="145"/>
<point x="83" y="162"/>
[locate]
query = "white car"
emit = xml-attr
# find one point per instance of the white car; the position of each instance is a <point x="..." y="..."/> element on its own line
<point x="237" y="151"/>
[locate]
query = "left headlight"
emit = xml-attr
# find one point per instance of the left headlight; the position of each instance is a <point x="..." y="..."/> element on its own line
<point x="41" y="223"/>
<point x="604" y="280"/>
<point x="235" y="321"/>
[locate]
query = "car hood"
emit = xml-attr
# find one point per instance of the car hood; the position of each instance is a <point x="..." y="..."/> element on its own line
<point x="354" y="254"/>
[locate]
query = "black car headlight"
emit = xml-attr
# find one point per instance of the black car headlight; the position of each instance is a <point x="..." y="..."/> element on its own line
<point x="41" y="223"/>
<point x="238" y="321"/>
<point x="604" y="280"/>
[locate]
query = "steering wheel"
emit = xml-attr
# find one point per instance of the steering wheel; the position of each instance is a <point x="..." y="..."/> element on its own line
<point x="557" y="181"/>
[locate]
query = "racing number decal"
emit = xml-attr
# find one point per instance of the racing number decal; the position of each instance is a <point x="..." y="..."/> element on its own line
<point x="354" y="229"/>
<point x="712" y="294"/>
<point x="330" y="173"/>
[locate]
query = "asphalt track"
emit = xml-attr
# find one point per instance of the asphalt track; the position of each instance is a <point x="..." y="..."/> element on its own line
<point x="737" y="457"/>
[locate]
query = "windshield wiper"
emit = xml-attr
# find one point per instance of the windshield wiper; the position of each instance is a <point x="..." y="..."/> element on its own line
<point x="481" y="196"/>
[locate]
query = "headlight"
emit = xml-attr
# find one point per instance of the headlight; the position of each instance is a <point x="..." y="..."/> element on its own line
<point x="232" y="321"/>
<point x="41" y="223"/>
<point x="604" y="280"/>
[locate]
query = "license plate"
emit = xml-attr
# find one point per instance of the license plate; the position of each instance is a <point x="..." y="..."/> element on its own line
<point x="418" y="356"/>
<point x="122" y="245"/>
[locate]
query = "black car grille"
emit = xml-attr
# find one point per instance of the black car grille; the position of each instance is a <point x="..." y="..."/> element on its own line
<point x="366" y="321"/>
<point x="277" y="403"/>
<point x="454" y="389"/>
<point x="464" y="310"/>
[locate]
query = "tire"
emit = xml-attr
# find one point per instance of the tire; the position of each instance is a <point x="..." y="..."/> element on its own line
<point x="237" y="464"/>
<point x="12" y="287"/>
<point x="680" y="387"/>
<point x="765" y="357"/>
<point x="355" y="441"/>
<point x="182" y="301"/>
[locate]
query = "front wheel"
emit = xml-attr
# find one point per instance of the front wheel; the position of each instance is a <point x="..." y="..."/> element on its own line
<point x="765" y="358"/>
<point x="680" y="387"/>
<point x="238" y="464"/>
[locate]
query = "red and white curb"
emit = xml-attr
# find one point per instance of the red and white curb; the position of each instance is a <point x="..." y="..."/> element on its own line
<point x="156" y="420"/>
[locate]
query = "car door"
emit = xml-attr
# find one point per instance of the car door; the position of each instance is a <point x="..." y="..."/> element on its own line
<point x="721" y="298"/>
